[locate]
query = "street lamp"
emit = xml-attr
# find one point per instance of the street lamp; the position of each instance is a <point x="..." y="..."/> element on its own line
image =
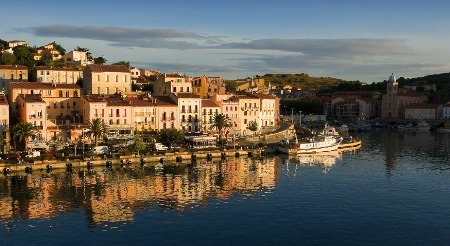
<point x="300" y="117"/>
<point x="292" y="115"/>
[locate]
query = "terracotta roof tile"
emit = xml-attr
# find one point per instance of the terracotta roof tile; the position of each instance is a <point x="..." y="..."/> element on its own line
<point x="38" y="68"/>
<point x="207" y="103"/>
<point x="187" y="95"/>
<point x="13" y="67"/>
<point x="422" y="106"/>
<point x="108" y="68"/>
<point x="43" y="86"/>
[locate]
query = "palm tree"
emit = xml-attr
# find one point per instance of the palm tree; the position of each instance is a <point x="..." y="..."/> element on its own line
<point x="220" y="122"/>
<point x="97" y="128"/>
<point x="23" y="131"/>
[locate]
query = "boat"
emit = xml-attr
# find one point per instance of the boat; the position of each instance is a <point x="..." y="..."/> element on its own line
<point x="405" y="127"/>
<point x="422" y="126"/>
<point x="350" y="142"/>
<point x="328" y="140"/>
<point x="442" y="129"/>
<point x="377" y="125"/>
<point x="343" y="128"/>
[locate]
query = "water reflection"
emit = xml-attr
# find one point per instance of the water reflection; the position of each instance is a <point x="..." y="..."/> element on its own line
<point x="115" y="195"/>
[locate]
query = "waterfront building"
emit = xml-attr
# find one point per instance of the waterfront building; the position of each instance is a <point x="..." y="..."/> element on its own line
<point x="31" y="108"/>
<point x="446" y="111"/>
<point x="423" y="111"/>
<point x="189" y="105"/>
<point x="135" y="72"/>
<point x="64" y="75"/>
<point x="395" y="102"/>
<point x="230" y="108"/>
<point x="167" y="113"/>
<point x="62" y="100"/>
<point x="209" y="111"/>
<point x="369" y="108"/>
<point x="106" y="79"/>
<point x="4" y="124"/>
<point x="249" y="112"/>
<point x="115" y="110"/>
<point x="166" y="84"/>
<point x="206" y="87"/>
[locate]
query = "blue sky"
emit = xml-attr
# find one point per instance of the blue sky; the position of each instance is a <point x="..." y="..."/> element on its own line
<point x="352" y="40"/>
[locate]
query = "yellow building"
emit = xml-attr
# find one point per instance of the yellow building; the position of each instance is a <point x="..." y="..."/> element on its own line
<point x="106" y="79"/>
<point x="166" y="84"/>
<point x="66" y="75"/>
<point x="206" y="87"/>
<point x="209" y="110"/>
<point x="61" y="99"/>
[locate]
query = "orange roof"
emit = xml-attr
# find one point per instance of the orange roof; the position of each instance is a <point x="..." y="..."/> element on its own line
<point x="57" y="68"/>
<point x="207" y="103"/>
<point x="13" y="67"/>
<point x="187" y="95"/>
<point x="108" y="68"/>
<point x="164" y="101"/>
<point x="43" y="86"/>
<point x="31" y="97"/>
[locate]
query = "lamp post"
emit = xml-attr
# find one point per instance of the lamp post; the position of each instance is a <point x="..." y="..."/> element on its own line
<point x="82" y="139"/>
<point x="300" y="117"/>
<point x="292" y="115"/>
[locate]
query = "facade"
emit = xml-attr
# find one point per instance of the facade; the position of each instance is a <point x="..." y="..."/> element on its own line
<point x="135" y="72"/>
<point x="77" y="58"/>
<point x="4" y="124"/>
<point x="369" y="108"/>
<point x="115" y="110"/>
<point x="67" y="75"/>
<point x="394" y="102"/>
<point x="166" y="113"/>
<point x="268" y="111"/>
<point x="32" y="109"/>
<point x="47" y="49"/>
<point x="189" y="105"/>
<point x="62" y="100"/>
<point x="10" y="73"/>
<point x="249" y="112"/>
<point x="206" y="87"/>
<point x="166" y="84"/>
<point x="446" y="111"/>
<point x="209" y="111"/>
<point x="230" y="108"/>
<point x="15" y="43"/>
<point x="423" y="111"/>
<point x="106" y="79"/>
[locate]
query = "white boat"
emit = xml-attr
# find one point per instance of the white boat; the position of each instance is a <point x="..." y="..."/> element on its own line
<point x="319" y="143"/>
<point x="422" y="126"/>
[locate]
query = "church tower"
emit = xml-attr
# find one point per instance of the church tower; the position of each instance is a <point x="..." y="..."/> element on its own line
<point x="392" y="85"/>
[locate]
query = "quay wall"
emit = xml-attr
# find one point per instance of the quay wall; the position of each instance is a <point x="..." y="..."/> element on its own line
<point x="135" y="160"/>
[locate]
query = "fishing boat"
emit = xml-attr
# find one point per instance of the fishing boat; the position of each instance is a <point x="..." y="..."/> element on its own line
<point x="319" y="143"/>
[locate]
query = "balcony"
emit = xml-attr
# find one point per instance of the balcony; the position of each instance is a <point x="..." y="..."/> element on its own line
<point x="33" y="116"/>
<point x="183" y="111"/>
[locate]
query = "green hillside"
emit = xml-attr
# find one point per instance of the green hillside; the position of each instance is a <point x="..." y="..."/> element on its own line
<point x="303" y="81"/>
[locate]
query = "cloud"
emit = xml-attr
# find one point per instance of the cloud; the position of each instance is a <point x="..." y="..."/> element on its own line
<point x="326" y="47"/>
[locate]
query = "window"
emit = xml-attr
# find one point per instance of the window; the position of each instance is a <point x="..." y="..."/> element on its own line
<point x="245" y="121"/>
<point x="117" y="78"/>
<point x="174" y="89"/>
<point x="125" y="78"/>
<point x="60" y="93"/>
<point x="181" y="89"/>
<point x="107" y="78"/>
<point x="67" y="93"/>
<point x="187" y="89"/>
<point x="98" y="78"/>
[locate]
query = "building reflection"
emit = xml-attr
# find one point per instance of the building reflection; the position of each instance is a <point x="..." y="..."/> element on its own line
<point x="113" y="196"/>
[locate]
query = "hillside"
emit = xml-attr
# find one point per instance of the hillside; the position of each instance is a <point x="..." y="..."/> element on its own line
<point x="303" y="81"/>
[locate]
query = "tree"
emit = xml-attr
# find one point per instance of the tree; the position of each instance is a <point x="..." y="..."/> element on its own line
<point x="124" y="63"/>
<point x="97" y="129"/>
<point x="99" y="60"/>
<point x="137" y="146"/>
<point x="253" y="126"/>
<point x="59" y="48"/>
<point x="170" y="137"/>
<point x="8" y="59"/>
<point x="221" y="122"/>
<point x="24" y="55"/>
<point x="23" y="131"/>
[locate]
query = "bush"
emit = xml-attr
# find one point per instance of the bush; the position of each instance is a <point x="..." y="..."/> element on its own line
<point x="90" y="153"/>
<point x="125" y="152"/>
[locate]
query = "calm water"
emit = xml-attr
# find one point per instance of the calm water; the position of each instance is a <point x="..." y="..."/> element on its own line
<point x="395" y="190"/>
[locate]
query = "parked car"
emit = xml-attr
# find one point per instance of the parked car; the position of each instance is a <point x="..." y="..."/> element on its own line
<point x="33" y="154"/>
<point x="10" y="156"/>
<point x="49" y="153"/>
<point x="160" y="147"/>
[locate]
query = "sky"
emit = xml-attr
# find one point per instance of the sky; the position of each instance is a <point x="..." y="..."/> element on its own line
<point x="347" y="39"/>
